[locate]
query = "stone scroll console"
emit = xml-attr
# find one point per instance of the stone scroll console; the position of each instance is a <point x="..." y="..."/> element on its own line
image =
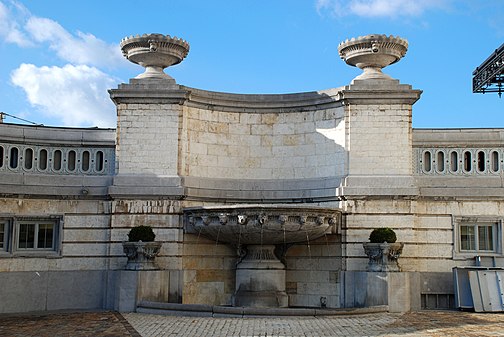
<point x="383" y="256"/>
<point x="141" y="255"/>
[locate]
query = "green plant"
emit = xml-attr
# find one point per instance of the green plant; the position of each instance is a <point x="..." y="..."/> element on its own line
<point x="141" y="233"/>
<point x="381" y="235"/>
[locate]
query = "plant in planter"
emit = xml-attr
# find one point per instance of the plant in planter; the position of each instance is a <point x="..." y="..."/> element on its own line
<point x="382" y="250"/>
<point x="141" y="248"/>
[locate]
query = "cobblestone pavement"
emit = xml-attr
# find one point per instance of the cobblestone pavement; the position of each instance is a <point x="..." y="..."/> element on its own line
<point x="78" y="324"/>
<point x="427" y="323"/>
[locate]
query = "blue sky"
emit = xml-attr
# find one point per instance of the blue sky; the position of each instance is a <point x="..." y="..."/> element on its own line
<point x="59" y="57"/>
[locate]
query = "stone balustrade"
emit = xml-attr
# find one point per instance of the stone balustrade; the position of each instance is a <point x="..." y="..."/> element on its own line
<point x="57" y="151"/>
<point x="459" y="161"/>
<point x="58" y="160"/>
<point x="458" y="152"/>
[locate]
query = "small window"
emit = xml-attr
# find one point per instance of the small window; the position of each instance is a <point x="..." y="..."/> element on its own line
<point x="99" y="161"/>
<point x="440" y="162"/>
<point x="481" y="161"/>
<point x="478" y="237"/>
<point x="427" y="158"/>
<point x="3" y="236"/>
<point x="28" y="159"/>
<point x="85" y="161"/>
<point x="71" y="160"/>
<point x="1" y="156"/>
<point x="454" y="161"/>
<point x="494" y="164"/>
<point x="467" y="161"/>
<point x="42" y="160"/>
<point x="57" y="160"/>
<point x="14" y="158"/>
<point x="36" y="235"/>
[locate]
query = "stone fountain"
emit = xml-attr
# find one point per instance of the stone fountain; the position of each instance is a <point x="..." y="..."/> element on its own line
<point x="154" y="52"/>
<point x="261" y="234"/>
<point x="371" y="53"/>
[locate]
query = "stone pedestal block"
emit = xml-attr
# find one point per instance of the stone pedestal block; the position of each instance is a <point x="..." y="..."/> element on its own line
<point x="260" y="279"/>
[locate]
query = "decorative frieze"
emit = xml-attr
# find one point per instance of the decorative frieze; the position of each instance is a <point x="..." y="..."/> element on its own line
<point x="146" y="206"/>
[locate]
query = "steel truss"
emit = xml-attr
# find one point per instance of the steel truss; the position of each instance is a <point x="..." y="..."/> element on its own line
<point x="489" y="76"/>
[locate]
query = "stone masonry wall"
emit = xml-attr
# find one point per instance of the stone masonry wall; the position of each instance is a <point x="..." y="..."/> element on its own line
<point x="285" y="145"/>
<point x="85" y="237"/>
<point x="425" y="226"/>
<point x="380" y="139"/>
<point x="164" y="216"/>
<point x="313" y="272"/>
<point x="209" y="271"/>
<point x="147" y="138"/>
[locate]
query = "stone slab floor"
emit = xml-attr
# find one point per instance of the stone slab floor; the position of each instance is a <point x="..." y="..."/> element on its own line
<point x="425" y="323"/>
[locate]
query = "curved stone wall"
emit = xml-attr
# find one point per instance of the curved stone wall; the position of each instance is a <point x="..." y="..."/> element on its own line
<point x="263" y="145"/>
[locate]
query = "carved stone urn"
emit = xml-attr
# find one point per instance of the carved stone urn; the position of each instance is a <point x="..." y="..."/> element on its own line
<point x="141" y="255"/>
<point x="371" y="53"/>
<point x="154" y="52"/>
<point x="383" y="256"/>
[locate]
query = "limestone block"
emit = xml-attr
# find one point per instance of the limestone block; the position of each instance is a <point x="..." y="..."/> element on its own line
<point x="86" y="235"/>
<point x="250" y="118"/>
<point x="87" y="221"/>
<point x="208" y="249"/>
<point x="153" y="285"/>
<point x="229" y="117"/>
<point x="84" y="249"/>
<point x="168" y="262"/>
<point x="81" y="263"/>
<point x="209" y="293"/>
<point x="302" y="276"/>
<point x="199" y="263"/>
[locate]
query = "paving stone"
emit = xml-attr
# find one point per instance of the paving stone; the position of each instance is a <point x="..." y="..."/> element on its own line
<point x="423" y="323"/>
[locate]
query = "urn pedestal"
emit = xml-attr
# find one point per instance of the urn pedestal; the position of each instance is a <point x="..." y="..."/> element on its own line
<point x="383" y="256"/>
<point x="141" y="255"/>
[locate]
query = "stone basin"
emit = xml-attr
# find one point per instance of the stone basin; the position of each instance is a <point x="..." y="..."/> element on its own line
<point x="262" y="225"/>
<point x="256" y="231"/>
<point x="154" y="52"/>
<point x="373" y="52"/>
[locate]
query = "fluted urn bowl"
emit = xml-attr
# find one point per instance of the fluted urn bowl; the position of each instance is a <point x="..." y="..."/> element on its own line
<point x="261" y="225"/>
<point x="373" y="52"/>
<point x="154" y="52"/>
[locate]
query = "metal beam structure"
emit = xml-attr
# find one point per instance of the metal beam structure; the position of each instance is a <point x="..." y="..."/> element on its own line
<point x="489" y="76"/>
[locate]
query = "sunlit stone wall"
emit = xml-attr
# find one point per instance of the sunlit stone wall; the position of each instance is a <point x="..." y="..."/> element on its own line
<point x="283" y="145"/>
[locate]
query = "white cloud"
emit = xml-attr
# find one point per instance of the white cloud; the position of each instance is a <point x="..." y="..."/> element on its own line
<point x="77" y="95"/>
<point x="10" y="28"/>
<point x="379" y="8"/>
<point x="19" y="26"/>
<point x="78" y="49"/>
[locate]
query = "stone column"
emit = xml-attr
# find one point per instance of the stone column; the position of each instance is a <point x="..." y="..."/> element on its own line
<point x="378" y="115"/>
<point x="148" y="121"/>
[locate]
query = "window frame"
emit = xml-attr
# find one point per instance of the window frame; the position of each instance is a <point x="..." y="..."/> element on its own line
<point x="7" y="232"/>
<point x="13" y="231"/>
<point x="476" y="222"/>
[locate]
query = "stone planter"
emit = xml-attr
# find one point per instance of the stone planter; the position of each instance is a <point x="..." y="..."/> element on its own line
<point x="373" y="52"/>
<point x="383" y="256"/>
<point x="141" y="255"/>
<point x="154" y="52"/>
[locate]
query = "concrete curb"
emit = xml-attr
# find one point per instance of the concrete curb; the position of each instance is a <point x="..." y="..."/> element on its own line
<point x="203" y="310"/>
